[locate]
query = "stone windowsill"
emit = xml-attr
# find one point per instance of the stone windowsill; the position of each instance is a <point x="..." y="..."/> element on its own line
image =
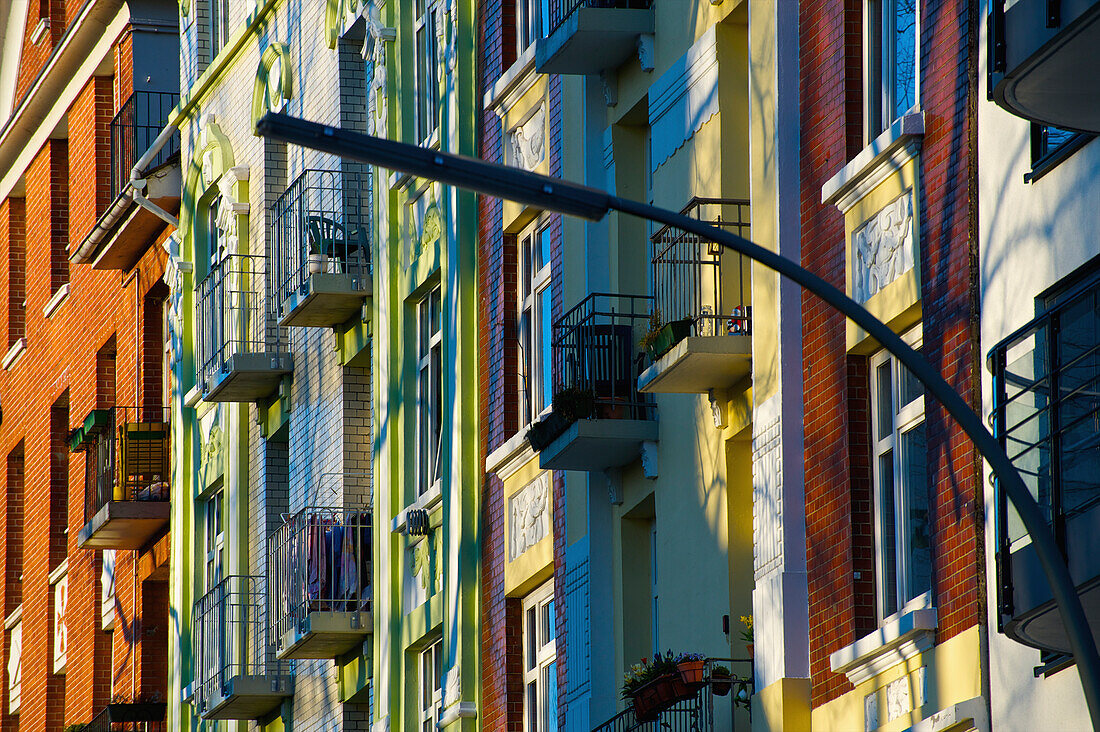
<point x="14" y="353"/>
<point x="428" y="501"/>
<point x="507" y="89"/>
<point x="875" y="162"/>
<point x="900" y="638"/>
<point x="55" y="301"/>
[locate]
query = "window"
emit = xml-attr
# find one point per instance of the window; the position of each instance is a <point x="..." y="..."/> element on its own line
<point x="429" y="412"/>
<point x="219" y="26"/>
<point x="1050" y="146"/>
<point x="534" y="322"/>
<point x="431" y="686"/>
<point x="902" y="525"/>
<point x="427" y="64"/>
<point x="214" y="538"/>
<point x="532" y="22"/>
<point x="540" y="667"/>
<point x="892" y="67"/>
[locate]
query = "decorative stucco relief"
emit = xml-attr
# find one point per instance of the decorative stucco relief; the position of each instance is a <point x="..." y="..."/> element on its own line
<point x="883" y="248"/>
<point x="529" y="510"/>
<point x="528" y="140"/>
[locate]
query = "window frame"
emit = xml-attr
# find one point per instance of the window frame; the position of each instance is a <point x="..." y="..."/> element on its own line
<point x="426" y="69"/>
<point x="534" y="321"/>
<point x="880" y="64"/>
<point x="213" y="519"/>
<point x="430" y="660"/>
<point x="429" y="390"/>
<point x="219" y="26"/>
<point x="1045" y="159"/>
<point x="897" y="594"/>
<point x="540" y="659"/>
<point x="532" y="23"/>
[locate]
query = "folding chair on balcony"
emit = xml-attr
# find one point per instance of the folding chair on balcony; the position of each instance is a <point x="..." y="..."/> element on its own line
<point x="328" y="240"/>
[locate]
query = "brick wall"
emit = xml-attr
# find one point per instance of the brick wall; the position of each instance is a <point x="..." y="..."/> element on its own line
<point x="90" y="156"/>
<point x="837" y="445"/>
<point x="13" y="247"/>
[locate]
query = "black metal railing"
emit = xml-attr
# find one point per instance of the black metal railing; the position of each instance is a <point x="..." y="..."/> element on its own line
<point x="320" y="224"/>
<point x="595" y="351"/>
<point x="320" y="561"/>
<point x="138" y="123"/>
<point x="560" y="10"/>
<point x="701" y="712"/>
<point x="230" y="638"/>
<point x="698" y="280"/>
<point x="127" y="457"/>
<point x="1046" y="414"/>
<point x="127" y="717"/>
<point x="231" y="317"/>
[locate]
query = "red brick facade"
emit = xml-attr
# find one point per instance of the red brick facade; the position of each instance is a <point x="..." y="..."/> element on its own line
<point x="839" y="497"/>
<point x="81" y="354"/>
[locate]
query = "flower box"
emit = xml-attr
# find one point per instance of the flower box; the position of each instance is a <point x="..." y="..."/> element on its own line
<point x="669" y="335"/>
<point x="691" y="673"/>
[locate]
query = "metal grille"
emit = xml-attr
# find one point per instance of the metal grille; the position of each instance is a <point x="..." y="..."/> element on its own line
<point x="696" y="279"/>
<point x="560" y="10"/>
<point x="595" y="350"/>
<point x="128" y="717"/>
<point x="138" y="122"/>
<point x="697" y="713"/>
<point x="320" y="560"/>
<point x="231" y="318"/>
<point x="320" y="224"/>
<point x="128" y="460"/>
<point x="229" y="638"/>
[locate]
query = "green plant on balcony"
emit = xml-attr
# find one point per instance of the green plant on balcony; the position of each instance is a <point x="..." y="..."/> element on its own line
<point x="655" y="685"/>
<point x="661" y="336"/>
<point x="569" y="405"/>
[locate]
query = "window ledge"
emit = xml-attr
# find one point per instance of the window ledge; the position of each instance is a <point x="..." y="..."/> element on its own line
<point x="56" y="300"/>
<point x="14" y="353"/>
<point x="428" y="501"/>
<point x="510" y="456"/>
<point x="902" y="637"/>
<point x="876" y="161"/>
<point x="509" y="88"/>
<point x="12" y="620"/>
<point x="40" y="30"/>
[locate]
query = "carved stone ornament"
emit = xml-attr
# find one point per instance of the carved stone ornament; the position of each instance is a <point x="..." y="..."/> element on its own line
<point x="173" y="277"/>
<point x="433" y="226"/>
<point x="452" y="47"/>
<point x="883" y="248"/>
<point x="452" y="687"/>
<point x="374" y="49"/>
<point x="529" y="511"/>
<point x="528" y="141"/>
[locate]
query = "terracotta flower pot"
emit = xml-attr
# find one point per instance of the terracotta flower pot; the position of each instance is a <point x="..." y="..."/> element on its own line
<point x="691" y="673"/>
<point x="720" y="685"/>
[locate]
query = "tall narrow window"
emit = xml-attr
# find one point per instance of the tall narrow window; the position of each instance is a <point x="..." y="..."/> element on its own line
<point x="893" y="61"/>
<point x="59" y="480"/>
<point x="903" y="529"/>
<point x="534" y="321"/>
<point x="532" y="22"/>
<point x="17" y="269"/>
<point x="429" y="412"/>
<point x="59" y="214"/>
<point x="214" y="539"/>
<point x="431" y="686"/>
<point x="540" y="666"/>
<point x="219" y="26"/>
<point x="427" y="65"/>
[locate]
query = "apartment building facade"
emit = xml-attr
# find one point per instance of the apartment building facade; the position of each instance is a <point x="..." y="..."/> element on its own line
<point x="893" y="488"/>
<point x="271" y="311"/>
<point x="1039" y="340"/>
<point x="83" y="90"/>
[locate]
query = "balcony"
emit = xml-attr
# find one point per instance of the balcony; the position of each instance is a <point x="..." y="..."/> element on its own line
<point x="1041" y="60"/>
<point x="129" y="717"/>
<point x="721" y="702"/>
<point x="126" y="229"/>
<point x="599" y="420"/>
<point x="592" y="36"/>
<point x="703" y="294"/>
<point x="320" y="563"/>
<point x="236" y="673"/>
<point x="242" y="353"/>
<point x="126" y="494"/>
<point x="1046" y="413"/>
<point x="320" y="238"/>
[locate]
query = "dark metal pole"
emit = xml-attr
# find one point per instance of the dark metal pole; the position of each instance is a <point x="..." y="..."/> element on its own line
<point x="557" y="195"/>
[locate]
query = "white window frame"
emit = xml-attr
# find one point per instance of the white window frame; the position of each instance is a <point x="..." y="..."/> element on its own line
<point x="429" y="391"/>
<point x="213" y="517"/>
<point x="219" y="26"/>
<point x="426" y="54"/>
<point x="535" y="321"/>
<point x="540" y="657"/>
<point x="532" y="23"/>
<point x="893" y="596"/>
<point x="880" y="64"/>
<point x="430" y="700"/>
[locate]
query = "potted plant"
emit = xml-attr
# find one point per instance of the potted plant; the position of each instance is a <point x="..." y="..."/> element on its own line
<point x="569" y="405"/>
<point x="720" y="680"/>
<point x="691" y="667"/>
<point x="746" y="632"/>
<point x="654" y="686"/>
<point x="661" y="337"/>
<point x="546" y="430"/>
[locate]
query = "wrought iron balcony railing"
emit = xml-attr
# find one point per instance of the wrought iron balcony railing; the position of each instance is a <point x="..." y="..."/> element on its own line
<point x="698" y="280"/>
<point x="231" y="644"/>
<point x="320" y="562"/>
<point x="127" y="717"/>
<point x="595" y="351"/>
<point x="560" y="10"/>
<point x="127" y="454"/>
<point x="231" y="317"/>
<point x="138" y="122"/>
<point x="320" y="225"/>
